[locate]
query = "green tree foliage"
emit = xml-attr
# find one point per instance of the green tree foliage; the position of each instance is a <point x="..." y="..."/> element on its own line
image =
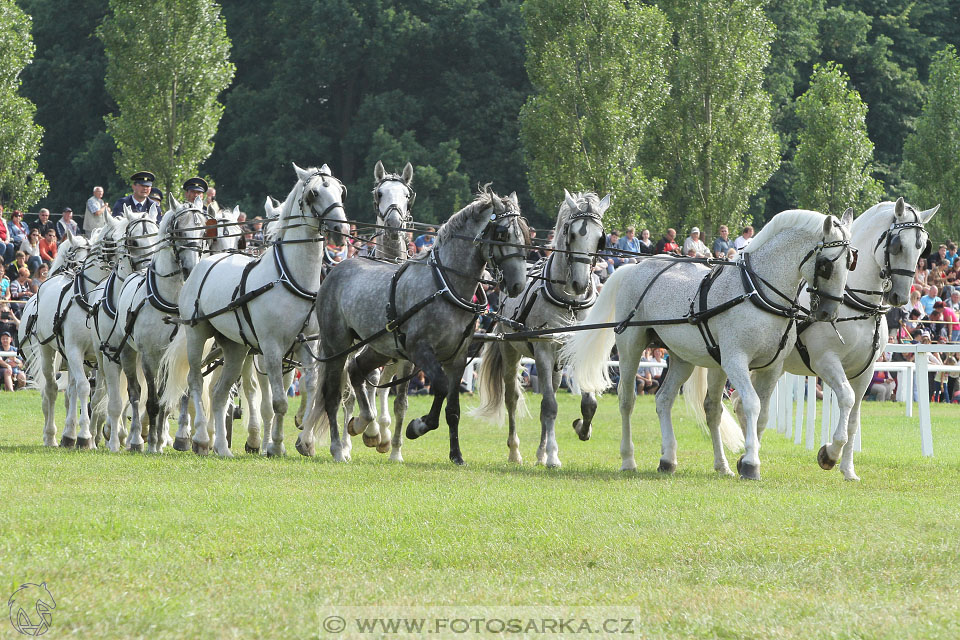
<point x="21" y="183"/>
<point x="599" y="75"/>
<point x="932" y="154"/>
<point x="167" y="63"/>
<point x="715" y="141"/>
<point x="65" y="81"/>
<point x="834" y="156"/>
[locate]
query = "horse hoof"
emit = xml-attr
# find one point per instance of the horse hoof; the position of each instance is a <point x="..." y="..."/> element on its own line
<point x="85" y="443"/>
<point x="68" y="443"/>
<point x="824" y="460"/>
<point x="667" y="467"/>
<point x="584" y="435"/>
<point x="247" y="449"/>
<point x="371" y="441"/>
<point x="304" y="450"/>
<point x="457" y="460"/>
<point x="201" y="449"/>
<point x="384" y="447"/>
<point x="748" y="471"/>
<point x="274" y="451"/>
<point x="181" y="444"/>
<point x="350" y="428"/>
<point x="413" y="431"/>
<point x="136" y="448"/>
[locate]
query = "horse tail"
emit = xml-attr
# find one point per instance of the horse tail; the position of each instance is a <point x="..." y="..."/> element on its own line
<point x="30" y="350"/>
<point x="694" y="391"/>
<point x="173" y="370"/>
<point x="490" y="385"/>
<point x="315" y="418"/>
<point x="586" y="352"/>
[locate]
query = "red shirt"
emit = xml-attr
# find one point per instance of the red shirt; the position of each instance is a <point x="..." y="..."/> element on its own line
<point x="48" y="250"/>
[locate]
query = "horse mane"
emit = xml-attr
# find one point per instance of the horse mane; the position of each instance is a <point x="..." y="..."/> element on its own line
<point x="468" y="214"/>
<point x="799" y="219"/>
<point x="591" y="199"/>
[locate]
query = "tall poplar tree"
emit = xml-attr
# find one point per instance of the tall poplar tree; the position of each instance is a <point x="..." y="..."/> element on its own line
<point x="167" y="63"/>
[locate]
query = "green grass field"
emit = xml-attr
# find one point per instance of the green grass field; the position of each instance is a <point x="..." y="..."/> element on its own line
<point x="178" y="546"/>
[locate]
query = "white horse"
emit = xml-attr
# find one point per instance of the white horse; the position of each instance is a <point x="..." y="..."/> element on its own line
<point x="558" y="297"/>
<point x="261" y="304"/>
<point x="138" y="234"/>
<point x="890" y="237"/>
<point x="393" y="197"/>
<point x="42" y="341"/>
<point x="146" y="299"/>
<point x="702" y="316"/>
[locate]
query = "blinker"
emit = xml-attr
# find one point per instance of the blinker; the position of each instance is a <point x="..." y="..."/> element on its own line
<point x="211" y="230"/>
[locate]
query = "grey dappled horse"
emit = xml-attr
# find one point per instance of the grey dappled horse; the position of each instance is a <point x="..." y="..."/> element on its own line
<point x="437" y="289"/>
<point x="558" y="296"/>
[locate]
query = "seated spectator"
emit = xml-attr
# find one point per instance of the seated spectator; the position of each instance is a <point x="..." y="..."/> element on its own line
<point x="535" y="254"/>
<point x="39" y="277"/>
<point x="8" y="319"/>
<point x="722" y="243"/>
<point x="419" y="385"/>
<point x="881" y="387"/>
<point x="19" y="262"/>
<point x="629" y="245"/>
<point x="744" y="238"/>
<point x="11" y="367"/>
<point x="949" y="315"/>
<point x="935" y="327"/>
<point x="7" y="248"/>
<point x="930" y="299"/>
<point x="645" y="380"/>
<point x="646" y="244"/>
<point x="920" y="278"/>
<point x="31" y="248"/>
<point x="20" y="290"/>
<point x="610" y="255"/>
<point x="668" y="243"/>
<point x="44" y="223"/>
<point x="425" y="242"/>
<point x="657" y="355"/>
<point x="693" y="246"/>
<point x="17" y="229"/>
<point x="48" y="247"/>
<point x="67" y="223"/>
<point x="951" y="255"/>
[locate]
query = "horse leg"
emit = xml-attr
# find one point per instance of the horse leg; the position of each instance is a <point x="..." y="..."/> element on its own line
<point x="832" y="372"/>
<point x="712" y="408"/>
<point x="181" y="442"/>
<point x="69" y="437"/>
<point x="128" y="361"/>
<point x="47" y="357"/>
<point x="358" y="368"/>
<point x="859" y="386"/>
<point x="400" y="408"/>
<point x="251" y="393"/>
<point x="424" y="356"/>
<point x="308" y="384"/>
<point x="200" y="441"/>
<point x="273" y="366"/>
<point x="330" y="395"/>
<point x="454" y="376"/>
<point x="390" y="371"/>
<point x="233" y="357"/>
<point x="546" y="358"/>
<point x="583" y="426"/>
<point x="266" y="405"/>
<point x="154" y="436"/>
<point x="677" y="373"/>
<point x="511" y="399"/>
<point x="114" y="390"/>
<point x="737" y="368"/>
<point x="96" y="414"/>
<point x="349" y="402"/>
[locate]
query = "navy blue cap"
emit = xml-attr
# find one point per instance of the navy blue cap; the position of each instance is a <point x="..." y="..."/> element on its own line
<point x="143" y="177"/>
<point x="156" y="194"/>
<point x="195" y="184"/>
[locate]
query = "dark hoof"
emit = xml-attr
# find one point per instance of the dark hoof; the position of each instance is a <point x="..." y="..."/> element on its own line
<point x="136" y="448"/>
<point x="371" y="441"/>
<point x="583" y="434"/>
<point x="457" y="460"/>
<point x="412" y="433"/>
<point x="824" y="460"/>
<point x="84" y="443"/>
<point x="747" y="471"/>
<point x="68" y="443"/>
<point x="304" y="450"/>
<point x="248" y="449"/>
<point x="181" y="444"/>
<point x="667" y="467"/>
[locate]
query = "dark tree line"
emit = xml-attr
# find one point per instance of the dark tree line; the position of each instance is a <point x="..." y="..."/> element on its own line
<point x="439" y="83"/>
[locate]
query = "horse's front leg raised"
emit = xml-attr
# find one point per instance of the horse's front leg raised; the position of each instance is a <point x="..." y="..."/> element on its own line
<point x="583" y="426"/>
<point x="427" y="360"/>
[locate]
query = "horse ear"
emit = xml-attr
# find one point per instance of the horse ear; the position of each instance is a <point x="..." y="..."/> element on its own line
<point x="605" y="203"/>
<point x="236" y="212"/>
<point x="899" y="207"/>
<point x="571" y="203"/>
<point x="172" y="202"/>
<point x="69" y="235"/>
<point x="847" y="218"/>
<point x="513" y="198"/>
<point x="127" y="211"/>
<point x="378" y="172"/>
<point x="325" y="170"/>
<point x="926" y="215"/>
<point x="302" y="175"/>
<point x="407" y="174"/>
<point x="198" y="202"/>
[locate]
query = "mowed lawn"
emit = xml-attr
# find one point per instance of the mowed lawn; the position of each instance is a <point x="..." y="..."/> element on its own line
<point x="178" y="546"/>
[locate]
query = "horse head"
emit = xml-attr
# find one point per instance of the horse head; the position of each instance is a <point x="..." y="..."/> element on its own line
<point x="580" y="231"/>
<point x="185" y="230"/>
<point x="140" y="237"/>
<point x="826" y="282"/>
<point x="393" y="196"/>
<point x="503" y="233"/>
<point x="899" y="248"/>
<point x="321" y="199"/>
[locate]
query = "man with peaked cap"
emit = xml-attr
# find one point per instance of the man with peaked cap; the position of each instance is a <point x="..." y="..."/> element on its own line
<point x="194" y="188"/>
<point x="156" y="195"/>
<point x="139" y="201"/>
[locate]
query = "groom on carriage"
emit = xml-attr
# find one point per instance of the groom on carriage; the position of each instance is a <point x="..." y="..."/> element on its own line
<point x="139" y="201"/>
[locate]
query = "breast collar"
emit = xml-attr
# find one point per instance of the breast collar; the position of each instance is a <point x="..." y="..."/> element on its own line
<point x="558" y="299"/>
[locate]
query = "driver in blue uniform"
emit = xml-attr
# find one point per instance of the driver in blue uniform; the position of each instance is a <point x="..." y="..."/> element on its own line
<point x="139" y="201"/>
